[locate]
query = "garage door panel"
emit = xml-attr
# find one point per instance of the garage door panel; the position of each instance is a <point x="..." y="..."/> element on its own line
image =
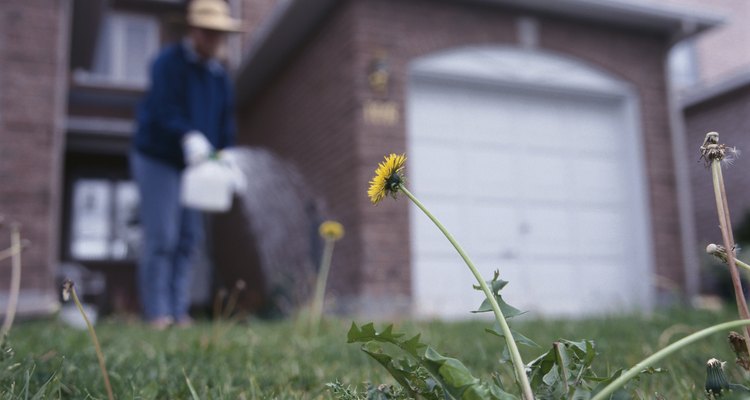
<point x="594" y="126"/>
<point x="606" y="285"/>
<point x="547" y="232"/>
<point x="599" y="232"/>
<point x="598" y="180"/>
<point x="432" y="241"/>
<point x="500" y="182"/>
<point x="440" y="279"/>
<point x="544" y="177"/>
<point x="493" y="229"/>
<point x="437" y="171"/>
<point x="539" y="123"/>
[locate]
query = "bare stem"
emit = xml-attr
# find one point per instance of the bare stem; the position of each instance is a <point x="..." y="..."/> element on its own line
<point x="316" y="309"/>
<point x="98" y="348"/>
<point x="518" y="365"/>
<point x="726" y="234"/>
<point x="15" y="279"/>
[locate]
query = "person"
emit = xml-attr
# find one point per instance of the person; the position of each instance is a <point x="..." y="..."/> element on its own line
<point x="184" y="117"/>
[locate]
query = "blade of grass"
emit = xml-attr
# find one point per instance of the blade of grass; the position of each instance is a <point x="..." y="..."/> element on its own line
<point x="193" y="393"/>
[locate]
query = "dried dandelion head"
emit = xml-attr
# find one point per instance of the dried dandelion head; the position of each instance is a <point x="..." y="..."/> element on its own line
<point x="331" y="230"/>
<point x="720" y="251"/>
<point x="67" y="287"/>
<point x="388" y="178"/>
<point x="711" y="150"/>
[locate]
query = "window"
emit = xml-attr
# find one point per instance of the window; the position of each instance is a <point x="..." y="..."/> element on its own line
<point x="127" y="43"/>
<point x="104" y="221"/>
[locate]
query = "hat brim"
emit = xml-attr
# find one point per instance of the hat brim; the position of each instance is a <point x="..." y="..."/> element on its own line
<point x="221" y="24"/>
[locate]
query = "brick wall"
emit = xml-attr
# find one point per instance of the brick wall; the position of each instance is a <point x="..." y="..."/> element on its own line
<point x="33" y="61"/>
<point x="728" y="115"/>
<point x="312" y="114"/>
<point x="254" y="14"/>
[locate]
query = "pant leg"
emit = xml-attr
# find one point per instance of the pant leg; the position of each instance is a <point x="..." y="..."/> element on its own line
<point x="190" y="239"/>
<point x="158" y="185"/>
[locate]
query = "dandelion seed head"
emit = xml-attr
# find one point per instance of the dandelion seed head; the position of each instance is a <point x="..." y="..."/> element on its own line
<point x="712" y="248"/>
<point x="388" y="178"/>
<point x="731" y="154"/>
<point x="240" y="284"/>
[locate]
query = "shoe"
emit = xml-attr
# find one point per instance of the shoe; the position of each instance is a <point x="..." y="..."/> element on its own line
<point x="160" y="323"/>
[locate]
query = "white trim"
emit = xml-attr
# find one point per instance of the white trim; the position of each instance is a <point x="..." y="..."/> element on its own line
<point x="554" y="77"/>
<point x="683" y="20"/>
<point x="681" y="164"/>
<point x="101" y="126"/>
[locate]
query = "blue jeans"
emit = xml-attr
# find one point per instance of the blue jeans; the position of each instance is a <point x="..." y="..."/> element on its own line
<point x="171" y="235"/>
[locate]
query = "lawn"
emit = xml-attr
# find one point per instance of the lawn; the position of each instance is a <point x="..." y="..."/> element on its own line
<point x="257" y="359"/>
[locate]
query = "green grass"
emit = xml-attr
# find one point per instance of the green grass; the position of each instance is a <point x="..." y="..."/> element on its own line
<point x="274" y="360"/>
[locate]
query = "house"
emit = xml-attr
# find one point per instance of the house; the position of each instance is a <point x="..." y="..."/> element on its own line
<point x="540" y="132"/>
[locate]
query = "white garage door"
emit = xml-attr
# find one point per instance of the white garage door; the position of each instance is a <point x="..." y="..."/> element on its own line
<point x="542" y="185"/>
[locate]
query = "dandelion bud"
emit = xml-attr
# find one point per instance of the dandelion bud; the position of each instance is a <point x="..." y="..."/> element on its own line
<point x="716" y="379"/>
<point x="331" y="230"/>
<point x="717" y="251"/>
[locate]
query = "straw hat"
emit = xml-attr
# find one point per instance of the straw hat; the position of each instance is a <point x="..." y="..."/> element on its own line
<point x="212" y="14"/>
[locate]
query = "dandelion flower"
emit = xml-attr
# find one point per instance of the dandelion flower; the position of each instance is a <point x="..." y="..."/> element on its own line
<point x="388" y="178"/>
<point x="331" y="230"/>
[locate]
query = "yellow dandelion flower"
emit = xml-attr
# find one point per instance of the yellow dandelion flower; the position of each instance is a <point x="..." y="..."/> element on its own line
<point x="331" y="230"/>
<point x="388" y="178"/>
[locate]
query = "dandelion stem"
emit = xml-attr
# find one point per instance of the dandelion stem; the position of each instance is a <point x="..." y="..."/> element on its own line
<point x="15" y="279"/>
<point x="98" y="348"/>
<point x="518" y="364"/>
<point x="316" y="310"/>
<point x="663" y="353"/>
<point x="234" y="296"/>
<point x="561" y="363"/>
<point x="726" y="234"/>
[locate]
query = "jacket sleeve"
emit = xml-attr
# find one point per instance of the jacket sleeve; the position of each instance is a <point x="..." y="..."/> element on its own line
<point x="169" y="98"/>
<point x="229" y="125"/>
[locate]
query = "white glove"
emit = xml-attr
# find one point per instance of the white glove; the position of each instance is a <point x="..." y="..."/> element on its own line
<point x="229" y="157"/>
<point x="196" y="147"/>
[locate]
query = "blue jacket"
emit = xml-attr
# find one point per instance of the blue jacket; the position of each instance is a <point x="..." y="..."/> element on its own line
<point x="185" y="95"/>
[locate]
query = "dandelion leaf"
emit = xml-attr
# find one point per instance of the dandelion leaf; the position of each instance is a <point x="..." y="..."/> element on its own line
<point x="424" y="372"/>
<point x="496" y="285"/>
<point x="519" y="338"/>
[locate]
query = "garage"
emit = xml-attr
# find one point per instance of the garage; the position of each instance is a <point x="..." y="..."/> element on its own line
<point x="534" y="161"/>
